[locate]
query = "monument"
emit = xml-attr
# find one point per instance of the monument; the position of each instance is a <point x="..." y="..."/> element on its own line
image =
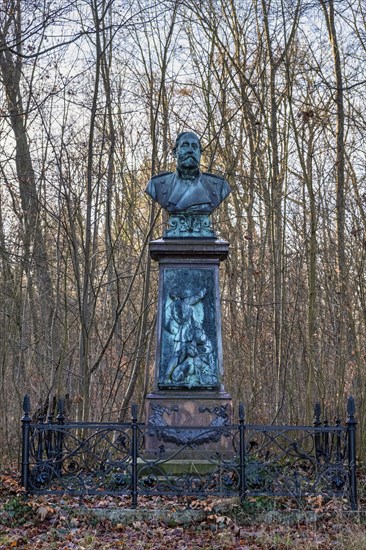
<point x="188" y="389"/>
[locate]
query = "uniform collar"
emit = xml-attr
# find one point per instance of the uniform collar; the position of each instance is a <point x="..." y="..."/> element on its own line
<point x="183" y="192"/>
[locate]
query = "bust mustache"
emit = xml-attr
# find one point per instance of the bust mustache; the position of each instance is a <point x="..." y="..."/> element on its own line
<point x="188" y="162"/>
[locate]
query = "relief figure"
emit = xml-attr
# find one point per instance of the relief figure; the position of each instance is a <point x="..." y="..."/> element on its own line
<point x="192" y="361"/>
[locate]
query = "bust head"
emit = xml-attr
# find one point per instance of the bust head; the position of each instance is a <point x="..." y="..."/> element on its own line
<point x="187" y="151"/>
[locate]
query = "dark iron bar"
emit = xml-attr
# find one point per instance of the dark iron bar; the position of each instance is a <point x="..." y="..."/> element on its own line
<point x="242" y="451"/>
<point x="317" y="424"/>
<point x="351" y="423"/>
<point x="26" y="420"/>
<point x="134" y="455"/>
<point x="60" y="418"/>
<point x="338" y="440"/>
<point x="326" y="440"/>
<point x="91" y="458"/>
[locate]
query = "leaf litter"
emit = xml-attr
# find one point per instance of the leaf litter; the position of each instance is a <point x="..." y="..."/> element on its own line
<point x="66" y="522"/>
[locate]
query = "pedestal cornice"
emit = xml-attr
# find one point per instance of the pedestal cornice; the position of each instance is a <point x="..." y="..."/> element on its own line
<point x="189" y="248"/>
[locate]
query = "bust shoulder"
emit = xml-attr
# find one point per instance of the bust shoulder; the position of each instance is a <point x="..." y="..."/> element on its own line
<point x="160" y="176"/>
<point x="157" y="187"/>
<point x="217" y="185"/>
<point x="215" y="178"/>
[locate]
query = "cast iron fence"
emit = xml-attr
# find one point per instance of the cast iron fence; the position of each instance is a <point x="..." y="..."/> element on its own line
<point x="89" y="458"/>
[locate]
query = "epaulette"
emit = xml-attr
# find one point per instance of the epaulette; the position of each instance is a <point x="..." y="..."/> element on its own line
<point x="161" y="174"/>
<point x="213" y="175"/>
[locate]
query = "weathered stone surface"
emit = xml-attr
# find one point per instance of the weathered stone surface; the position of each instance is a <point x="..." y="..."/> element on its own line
<point x="204" y="250"/>
<point x="127" y="516"/>
<point x="197" y="426"/>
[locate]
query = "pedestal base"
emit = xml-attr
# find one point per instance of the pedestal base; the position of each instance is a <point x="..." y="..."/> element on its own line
<point x="189" y="425"/>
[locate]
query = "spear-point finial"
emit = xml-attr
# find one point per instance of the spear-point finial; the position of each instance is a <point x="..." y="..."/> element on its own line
<point x="317" y="412"/>
<point x="26" y="405"/>
<point x="351" y="407"/>
<point x="134" y="411"/>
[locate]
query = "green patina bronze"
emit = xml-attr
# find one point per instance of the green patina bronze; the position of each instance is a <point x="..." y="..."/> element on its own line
<point x="188" y="357"/>
<point x="189" y="225"/>
<point x="188" y="194"/>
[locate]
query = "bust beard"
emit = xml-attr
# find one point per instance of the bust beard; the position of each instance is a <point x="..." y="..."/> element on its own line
<point x="188" y="166"/>
<point x="188" y="172"/>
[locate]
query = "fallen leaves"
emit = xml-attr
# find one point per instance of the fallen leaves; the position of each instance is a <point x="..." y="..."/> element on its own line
<point x="43" y="511"/>
<point x="222" y="520"/>
<point x="9" y="484"/>
<point x="179" y="523"/>
<point x="218" y="532"/>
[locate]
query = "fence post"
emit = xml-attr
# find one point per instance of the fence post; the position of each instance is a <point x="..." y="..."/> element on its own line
<point x="351" y="433"/>
<point x="242" y="452"/>
<point x="326" y="441"/>
<point x="49" y="439"/>
<point x="338" y="441"/>
<point x="60" y="436"/>
<point x="26" y="420"/>
<point x="40" y="436"/>
<point x="317" y="423"/>
<point x="134" y="454"/>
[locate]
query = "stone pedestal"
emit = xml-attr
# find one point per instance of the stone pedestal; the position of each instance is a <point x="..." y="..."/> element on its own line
<point x="189" y="343"/>
<point x="197" y="425"/>
<point x="188" y="390"/>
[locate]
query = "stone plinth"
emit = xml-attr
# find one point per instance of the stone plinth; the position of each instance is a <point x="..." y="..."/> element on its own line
<point x="186" y="425"/>
<point x="195" y="249"/>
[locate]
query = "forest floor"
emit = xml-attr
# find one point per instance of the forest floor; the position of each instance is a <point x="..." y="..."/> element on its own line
<point x="175" y="523"/>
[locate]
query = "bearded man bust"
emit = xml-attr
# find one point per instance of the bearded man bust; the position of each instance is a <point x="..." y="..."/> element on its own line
<point x="188" y="189"/>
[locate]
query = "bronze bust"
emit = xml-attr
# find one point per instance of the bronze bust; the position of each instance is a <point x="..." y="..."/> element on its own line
<point x="188" y="189"/>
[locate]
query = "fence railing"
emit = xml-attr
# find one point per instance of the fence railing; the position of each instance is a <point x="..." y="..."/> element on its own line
<point x="89" y="458"/>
